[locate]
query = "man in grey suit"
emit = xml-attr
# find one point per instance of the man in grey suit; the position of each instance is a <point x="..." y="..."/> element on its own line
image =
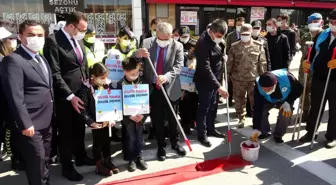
<point x="231" y="38"/>
<point x="167" y="57"/>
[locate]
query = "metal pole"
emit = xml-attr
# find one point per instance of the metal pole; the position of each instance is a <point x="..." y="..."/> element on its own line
<point x="228" y="112"/>
<point x="302" y="105"/>
<point x="171" y="107"/>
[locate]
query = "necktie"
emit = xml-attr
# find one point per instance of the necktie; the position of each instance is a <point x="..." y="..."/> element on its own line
<point x="44" y="71"/>
<point x="159" y="64"/>
<point x="78" y="53"/>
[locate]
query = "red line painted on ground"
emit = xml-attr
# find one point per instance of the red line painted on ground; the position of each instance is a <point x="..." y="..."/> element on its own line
<point x="185" y="173"/>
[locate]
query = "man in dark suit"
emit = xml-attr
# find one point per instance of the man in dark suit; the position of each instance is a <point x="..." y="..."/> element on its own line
<point x="65" y="52"/>
<point x="209" y="55"/>
<point x="151" y="33"/>
<point x="167" y="57"/>
<point x="27" y="84"/>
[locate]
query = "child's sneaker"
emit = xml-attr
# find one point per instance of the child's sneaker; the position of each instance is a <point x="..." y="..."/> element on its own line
<point x="101" y="169"/>
<point x="131" y="166"/>
<point x="141" y="164"/>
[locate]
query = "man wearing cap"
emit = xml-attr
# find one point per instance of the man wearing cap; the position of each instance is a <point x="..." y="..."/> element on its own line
<point x="315" y="24"/>
<point x="257" y="36"/>
<point x="246" y="61"/>
<point x="275" y="89"/>
<point x="231" y="38"/>
<point x="94" y="48"/>
<point x="320" y="64"/>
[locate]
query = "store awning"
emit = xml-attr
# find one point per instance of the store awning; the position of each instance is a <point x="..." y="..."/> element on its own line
<point x="307" y="4"/>
<point x="262" y="3"/>
<point x="198" y="2"/>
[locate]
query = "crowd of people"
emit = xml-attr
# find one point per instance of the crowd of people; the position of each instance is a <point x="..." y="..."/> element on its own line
<point x="48" y="80"/>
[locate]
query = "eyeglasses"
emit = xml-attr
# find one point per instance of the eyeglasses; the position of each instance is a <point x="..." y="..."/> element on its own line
<point x="80" y="30"/>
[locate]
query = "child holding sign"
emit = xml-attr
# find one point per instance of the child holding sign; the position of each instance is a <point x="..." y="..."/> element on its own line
<point x="189" y="100"/>
<point x="100" y="131"/>
<point x="133" y="125"/>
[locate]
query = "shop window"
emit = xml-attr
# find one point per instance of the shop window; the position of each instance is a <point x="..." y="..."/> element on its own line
<point x="162" y="10"/>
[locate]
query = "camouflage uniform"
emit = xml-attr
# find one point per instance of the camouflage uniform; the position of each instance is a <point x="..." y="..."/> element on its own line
<point x="245" y="64"/>
<point x="304" y="48"/>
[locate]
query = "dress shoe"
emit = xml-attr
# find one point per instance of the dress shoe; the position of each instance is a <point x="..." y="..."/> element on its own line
<point x="204" y="141"/>
<point x="215" y="133"/>
<point x="72" y="174"/>
<point x="279" y="141"/>
<point x="131" y="166"/>
<point x="17" y="164"/>
<point x="179" y="149"/>
<point x="102" y="169"/>
<point x="141" y="164"/>
<point x="85" y="161"/>
<point x="108" y="163"/>
<point x="161" y="155"/>
<point x="307" y="138"/>
<point x="331" y="144"/>
<point x="263" y="137"/>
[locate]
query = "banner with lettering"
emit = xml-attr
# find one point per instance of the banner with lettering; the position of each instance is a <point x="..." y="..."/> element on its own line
<point x="108" y="105"/>
<point x="135" y="99"/>
<point x="113" y="63"/>
<point x="186" y="78"/>
<point x="63" y="6"/>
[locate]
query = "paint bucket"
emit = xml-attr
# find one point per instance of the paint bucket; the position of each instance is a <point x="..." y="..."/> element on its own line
<point x="249" y="150"/>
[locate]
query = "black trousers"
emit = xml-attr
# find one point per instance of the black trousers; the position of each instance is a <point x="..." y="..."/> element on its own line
<point x="133" y="138"/>
<point x="35" y="151"/>
<point x="159" y="107"/>
<point x="188" y="109"/>
<point x="71" y="133"/>
<point x="101" y="143"/>
<point x="54" y="139"/>
<point x="316" y="101"/>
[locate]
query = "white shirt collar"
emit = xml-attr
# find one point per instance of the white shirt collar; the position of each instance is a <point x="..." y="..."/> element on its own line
<point x="29" y="52"/>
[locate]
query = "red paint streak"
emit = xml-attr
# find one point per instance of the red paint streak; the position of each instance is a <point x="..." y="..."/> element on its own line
<point x="185" y="173"/>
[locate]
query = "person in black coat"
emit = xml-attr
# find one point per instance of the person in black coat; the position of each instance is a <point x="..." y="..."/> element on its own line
<point x="282" y="22"/>
<point x="278" y="45"/>
<point x="65" y="53"/>
<point x="151" y="33"/>
<point x="28" y="87"/>
<point x="101" y="148"/>
<point x="209" y="57"/>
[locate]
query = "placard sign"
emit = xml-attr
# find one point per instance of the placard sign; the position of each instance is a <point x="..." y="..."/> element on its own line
<point x="186" y="78"/>
<point x="108" y="105"/>
<point x="136" y="99"/>
<point x="63" y="6"/>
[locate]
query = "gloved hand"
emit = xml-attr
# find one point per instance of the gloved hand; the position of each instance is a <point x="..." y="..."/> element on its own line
<point x="306" y="66"/>
<point x="332" y="64"/>
<point x="286" y="109"/>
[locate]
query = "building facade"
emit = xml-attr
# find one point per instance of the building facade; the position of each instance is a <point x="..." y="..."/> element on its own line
<point x="197" y="14"/>
<point x="106" y="15"/>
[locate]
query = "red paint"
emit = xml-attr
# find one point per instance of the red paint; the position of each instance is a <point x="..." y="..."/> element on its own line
<point x="229" y="136"/>
<point x="188" y="144"/>
<point x="185" y="173"/>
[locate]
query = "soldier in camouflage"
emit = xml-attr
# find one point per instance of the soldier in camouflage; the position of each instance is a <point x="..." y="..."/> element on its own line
<point x="246" y="61"/>
<point x="315" y="23"/>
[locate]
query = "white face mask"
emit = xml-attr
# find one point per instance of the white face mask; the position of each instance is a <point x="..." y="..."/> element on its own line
<point x="272" y="91"/>
<point x="184" y="40"/>
<point x="314" y="26"/>
<point x="279" y="23"/>
<point x="217" y="40"/>
<point x="245" y="38"/>
<point x="153" y="33"/>
<point x="14" y="43"/>
<point x="332" y="28"/>
<point x="35" y="43"/>
<point x="162" y="43"/>
<point x="79" y="36"/>
<point x="255" y="33"/>
<point x="270" y="29"/>
<point x="126" y="42"/>
<point x="176" y="38"/>
<point x="100" y="82"/>
<point x="238" y="28"/>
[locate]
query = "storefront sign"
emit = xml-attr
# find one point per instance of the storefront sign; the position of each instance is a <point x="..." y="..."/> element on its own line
<point x="257" y="13"/>
<point x="63" y="6"/>
<point x="188" y="18"/>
